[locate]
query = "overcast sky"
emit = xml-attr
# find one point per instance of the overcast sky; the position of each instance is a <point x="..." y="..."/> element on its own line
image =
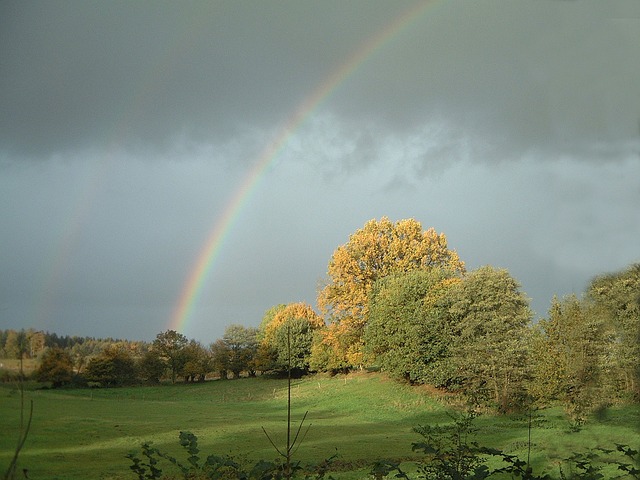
<point x="128" y="128"/>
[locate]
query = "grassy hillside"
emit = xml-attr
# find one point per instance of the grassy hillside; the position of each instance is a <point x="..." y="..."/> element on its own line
<point x="79" y="434"/>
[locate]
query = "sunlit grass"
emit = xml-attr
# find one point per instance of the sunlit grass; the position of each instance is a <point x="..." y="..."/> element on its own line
<point x="87" y="433"/>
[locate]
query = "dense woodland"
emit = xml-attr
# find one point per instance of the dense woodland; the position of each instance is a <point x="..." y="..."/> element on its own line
<point x="396" y="298"/>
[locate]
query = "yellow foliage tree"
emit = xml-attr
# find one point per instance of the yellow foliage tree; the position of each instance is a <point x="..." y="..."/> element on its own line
<point x="378" y="249"/>
<point x="289" y="312"/>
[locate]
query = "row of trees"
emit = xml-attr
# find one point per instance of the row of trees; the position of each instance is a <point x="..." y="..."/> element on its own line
<point x="21" y="343"/>
<point x="127" y="363"/>
<point x="396" y="297"/>
<point x="31" y="344"/>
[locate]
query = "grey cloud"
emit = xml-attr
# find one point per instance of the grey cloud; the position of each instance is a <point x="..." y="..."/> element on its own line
<point x="517" y="76"/>
<point x="86" y="73"/>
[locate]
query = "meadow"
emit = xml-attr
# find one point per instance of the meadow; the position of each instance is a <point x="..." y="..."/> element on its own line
<point x="86" y="433"/>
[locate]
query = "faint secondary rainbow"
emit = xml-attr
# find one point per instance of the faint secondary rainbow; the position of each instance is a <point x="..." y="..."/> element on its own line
<point x="213" y="245"/>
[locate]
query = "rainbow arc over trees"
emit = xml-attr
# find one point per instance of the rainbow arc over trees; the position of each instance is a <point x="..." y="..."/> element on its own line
<point x="224" y="224"/>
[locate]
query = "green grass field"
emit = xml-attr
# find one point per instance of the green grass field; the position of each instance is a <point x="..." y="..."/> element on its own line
<point x="82" y="434"/>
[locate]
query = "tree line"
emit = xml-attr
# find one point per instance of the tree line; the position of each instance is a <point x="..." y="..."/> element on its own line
<point x="398" y="299"/>
<point x="30" y="343"/>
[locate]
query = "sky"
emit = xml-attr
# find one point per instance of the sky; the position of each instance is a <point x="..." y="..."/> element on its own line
<point x="188" y="165"/>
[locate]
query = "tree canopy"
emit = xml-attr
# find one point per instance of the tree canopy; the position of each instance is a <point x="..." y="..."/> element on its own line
<point x="489" y="316"/>
<point x="169" y="346"/>
<point x="56" y="367"/>
<point x="288" y="336"/>
<point x="406" y="335"/>
<point x="379" y="249"/>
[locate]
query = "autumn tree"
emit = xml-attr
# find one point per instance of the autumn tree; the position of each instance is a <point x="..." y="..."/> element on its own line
<point x="36" y="342"/>
<point x="379" y="249"/>
<point x="170" y="345"/>
<point x="291" y="332"/>
<point x="489" y="316"/>
<point x="406" y="334"/>
<point x="56" y="367"/>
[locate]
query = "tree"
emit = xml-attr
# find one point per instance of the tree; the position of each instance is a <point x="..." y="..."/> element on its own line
<point x="293" y="342"/>
<point x="406" y="335"/>
<point x="616" y="299"/>
<point x="337" y="348"/>
<point x="151" y="367"/>
<point x="36" y="342"/>
<point x="220" y="358"/>
<point x="82" y="351"/>
<point x="243" y="345"/>
<point x="567" y="363"/>
<point x="379" y="249"/>
<point x="291" y="331"/>
<point x="489" y="316"/>
<point x="113" y="367"/>
<point x="196" y="362"/>
<point x="56" y="367"/>
<point x="268" y="317"/>
<point x="17" y="344"/>
<point x="169" y="346"/>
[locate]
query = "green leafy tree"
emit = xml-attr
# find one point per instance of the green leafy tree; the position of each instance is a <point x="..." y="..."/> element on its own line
<point x="17" y="344"/>
<point x="170" y="345"/>
<point x="151" y="367"/>
<point x="293" y="342"/>
<point x="291" y="330"/>
<point x="82" y="352"/>
<point x="56" y="367"/>
<point x="113" y="367"/>
<point x="616" y="299"/>
<point x="406" y="335"/>
<point x="379" y="249"/>
<point x="567" y="362"/>
<point x="243" y="347"/>
<point x="196" y="362"/>
<point x="220" y="358"/>
<point x="489" y="315"/>
<point x="267" y="318"/>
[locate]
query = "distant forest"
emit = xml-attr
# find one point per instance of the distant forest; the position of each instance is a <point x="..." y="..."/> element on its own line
<point x="39" y="340"/>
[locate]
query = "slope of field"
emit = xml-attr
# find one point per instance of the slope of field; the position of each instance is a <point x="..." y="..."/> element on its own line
<point x="79" y="434"/>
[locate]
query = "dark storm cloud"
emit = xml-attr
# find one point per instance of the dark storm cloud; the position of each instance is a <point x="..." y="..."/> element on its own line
<point x="511" y="77"/>
<point x="86" y="73"/>
<point x="514" y="77"/>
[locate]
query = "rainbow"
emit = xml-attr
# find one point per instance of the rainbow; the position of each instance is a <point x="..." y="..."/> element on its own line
<point x="213" y="245"/>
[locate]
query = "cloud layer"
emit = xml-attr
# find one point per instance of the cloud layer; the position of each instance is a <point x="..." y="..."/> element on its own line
<point x="126" y="128"/>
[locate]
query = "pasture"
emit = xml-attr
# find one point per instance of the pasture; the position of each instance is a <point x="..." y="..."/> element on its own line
<point x="83" y="433"/>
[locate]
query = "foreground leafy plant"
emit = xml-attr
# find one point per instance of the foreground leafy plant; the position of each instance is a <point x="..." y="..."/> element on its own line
<point x="451" y="455"/>
<point x="146" y="465"/>
<point x="589" y="465"/>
